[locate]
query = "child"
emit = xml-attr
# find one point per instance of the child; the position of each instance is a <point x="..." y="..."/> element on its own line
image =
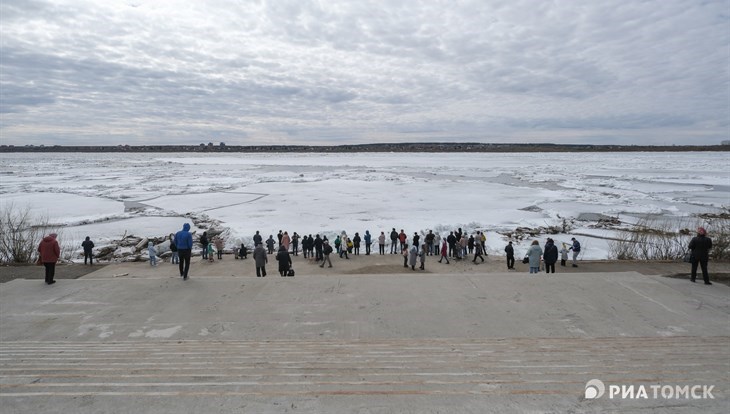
<point x="210" y="252"/>
<point x="151" y="252"/>
<point x="404" y="252"/>
<point x="563" y="255"/>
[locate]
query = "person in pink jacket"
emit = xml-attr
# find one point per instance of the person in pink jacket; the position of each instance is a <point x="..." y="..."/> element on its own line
<point x="49" y="251"/>
<point x="444" y="251"/>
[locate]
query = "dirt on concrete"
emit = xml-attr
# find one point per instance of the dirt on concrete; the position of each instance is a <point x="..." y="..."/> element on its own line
<point x="63" y="271"/>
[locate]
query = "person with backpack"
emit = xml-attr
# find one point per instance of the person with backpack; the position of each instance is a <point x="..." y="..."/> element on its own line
<point x="576" y="250"/>
<point x="326" y="251"/>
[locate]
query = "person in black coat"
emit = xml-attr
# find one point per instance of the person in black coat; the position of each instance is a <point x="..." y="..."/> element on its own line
<point x="284" y="260"/>
<point x="510" y="255"/>
<point x="700" y="246"/>
<point x="318" y="248"/>
<point x="550" y="255"/>
<point x="356" y="243"/>
<point x="393" y="241"/>
<point x="204" y="242"/>
<point x="452" y="244"/>
<point x="88" y="245"/>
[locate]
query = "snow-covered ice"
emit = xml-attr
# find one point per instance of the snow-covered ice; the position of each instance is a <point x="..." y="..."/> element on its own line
<point x="327" y="193"/>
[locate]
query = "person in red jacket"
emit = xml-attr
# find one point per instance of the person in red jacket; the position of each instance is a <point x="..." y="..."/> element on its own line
<point x="49" y="253"/>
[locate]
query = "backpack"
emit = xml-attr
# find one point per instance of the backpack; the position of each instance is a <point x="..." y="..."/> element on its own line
<point x="327" y="249"/>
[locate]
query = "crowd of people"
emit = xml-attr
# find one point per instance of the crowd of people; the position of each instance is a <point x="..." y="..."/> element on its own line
<point x="456" y="246"/>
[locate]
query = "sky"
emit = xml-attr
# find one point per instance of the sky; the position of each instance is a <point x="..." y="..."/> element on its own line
<point x="327" y="72"/>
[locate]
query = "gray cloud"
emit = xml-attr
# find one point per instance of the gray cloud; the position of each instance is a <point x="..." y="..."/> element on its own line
<point x="298" y="71"/>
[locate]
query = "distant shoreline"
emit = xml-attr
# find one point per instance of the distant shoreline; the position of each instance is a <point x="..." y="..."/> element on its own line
<point x="398" y="147"/>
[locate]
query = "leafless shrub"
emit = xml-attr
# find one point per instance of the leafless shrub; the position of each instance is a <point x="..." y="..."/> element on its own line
<point x="652" y="239"/>
<point x="20" y="233"/>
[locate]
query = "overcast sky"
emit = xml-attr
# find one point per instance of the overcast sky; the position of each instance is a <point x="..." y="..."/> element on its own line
<point x="333" y="72"/>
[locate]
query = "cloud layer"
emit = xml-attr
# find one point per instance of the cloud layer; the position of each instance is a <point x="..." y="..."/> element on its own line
<point x="324" y="72"/>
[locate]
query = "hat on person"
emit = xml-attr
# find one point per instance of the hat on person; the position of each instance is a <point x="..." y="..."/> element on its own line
<point x="54" y="235"/>
<point x="701" y="231"/>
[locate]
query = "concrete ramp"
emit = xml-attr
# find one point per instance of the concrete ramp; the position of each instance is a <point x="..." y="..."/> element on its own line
<point x="361" y="343"/>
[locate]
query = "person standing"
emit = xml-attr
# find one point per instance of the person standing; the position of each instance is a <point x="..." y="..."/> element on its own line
<point x="88" y="246"/>
<point x="270" y="243"/>
<point x="700" y="246"/>
<point x="550" y="255"/>
<point x="175" y="259"/>
<point x="563" y="255"/>
<point x="343" y="247"/>
<point x="295" y="244"/>
<point x="279" y="237"/>
<point x="416" y="239"/>
<point x="368" y="241"/>
<point x="381" y="243"/>
<point x="285" y="241"/>
<point x="422" y="256"/>
<point x="219" y="247"/>
<point x="257" y="239"/>
<point x="483" y="242"/>
<point x="404" y="253"/>
<point x="305" y="245"/>
<point x="444" y="251"/>
<point x="534" y="253"/>
<point x="204" y="242"/>
<point x="436" y="244"/>
<point x="429" y="242"/>
<point x="356" y="244"/>
<point x="510" y="255"/>
<point x="151" y="253"/>
<point x="576" y="249"/>
<point x="403" y="238"/>
<point x="49" y="252"/>
<point x="260" y="259"/>
<point x="413" y="257"/>
<point x="470" y="243"/>
<point x="393" y="239"/>
<point x="318" y="248"/>
<point x="284" y="260"/>
<point x="184" y="243"/>
<point x="451" y="239"/>
<point x="325" y="250"/>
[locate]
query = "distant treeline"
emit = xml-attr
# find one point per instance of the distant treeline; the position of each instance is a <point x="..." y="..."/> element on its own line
<point x="399" y="147"/>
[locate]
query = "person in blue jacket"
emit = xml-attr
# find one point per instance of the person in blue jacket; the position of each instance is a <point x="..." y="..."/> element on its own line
<point x="184" y="243"/>
<point x="368" y="241"/>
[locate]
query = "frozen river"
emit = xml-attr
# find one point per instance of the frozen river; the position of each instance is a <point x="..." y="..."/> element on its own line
<point x="311" y="193"/>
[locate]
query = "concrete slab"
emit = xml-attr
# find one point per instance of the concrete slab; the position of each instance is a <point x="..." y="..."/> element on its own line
<point x="148" y="341"/>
